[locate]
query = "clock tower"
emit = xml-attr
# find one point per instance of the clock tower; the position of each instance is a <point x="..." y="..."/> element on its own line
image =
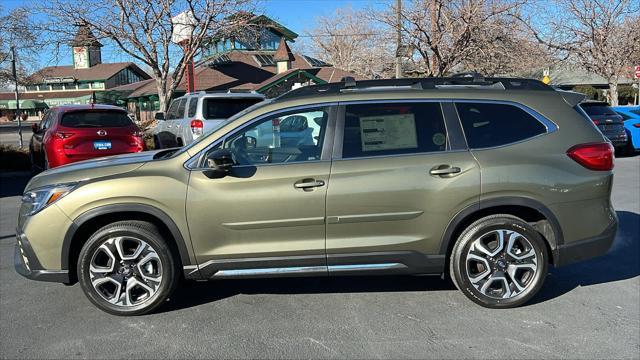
<point x="86" y="48"/>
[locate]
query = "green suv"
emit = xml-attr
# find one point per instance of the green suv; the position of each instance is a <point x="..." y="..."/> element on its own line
<point x="489" y="180"/>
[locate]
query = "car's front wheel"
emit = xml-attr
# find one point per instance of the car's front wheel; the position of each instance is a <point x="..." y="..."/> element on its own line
<point x="126" y="268"/>
<point x="499" y="261"/>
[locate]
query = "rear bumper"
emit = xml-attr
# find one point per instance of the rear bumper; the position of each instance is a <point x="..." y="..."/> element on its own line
<point x="587" y="248"/>
<point x="26" y="263"/>
<point x="617" y="139"/>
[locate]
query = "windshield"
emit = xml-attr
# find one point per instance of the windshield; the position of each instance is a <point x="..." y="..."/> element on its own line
<point x="205" y="137"/>
<point x="597" y="109"/>
<point x="224" y="108"/>
<point x="95" y="118"/>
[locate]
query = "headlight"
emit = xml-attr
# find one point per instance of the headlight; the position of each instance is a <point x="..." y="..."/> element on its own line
<point x="38" y="199"/>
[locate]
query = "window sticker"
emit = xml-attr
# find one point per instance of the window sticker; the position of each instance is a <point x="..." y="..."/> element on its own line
<point x="388" y="132"/>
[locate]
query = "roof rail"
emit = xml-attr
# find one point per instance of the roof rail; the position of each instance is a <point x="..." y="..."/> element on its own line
<point x="225" y="91"/>
<point x="458" y="81"/>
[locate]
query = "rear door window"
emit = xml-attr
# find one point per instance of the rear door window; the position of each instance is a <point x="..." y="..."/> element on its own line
<point x="95" y="118"/>
<point x="393" y="128"/>
<point x="180" y="110"/>
<point x="193" y="106"/>
<point x="488" y="125"/>
<point x="173" y="109"/>
<point x="224" y="108"/>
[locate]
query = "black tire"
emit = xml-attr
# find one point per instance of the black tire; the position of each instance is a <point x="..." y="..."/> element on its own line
<point x="459" y="269"/>
<point x="156" y="143"/>
<point x="147" y="233"/>
<point x="35" y="168"/>
<point x="45" y="160"/>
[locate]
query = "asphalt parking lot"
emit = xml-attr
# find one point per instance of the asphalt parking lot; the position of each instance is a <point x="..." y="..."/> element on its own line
<point x="587" y="310"/>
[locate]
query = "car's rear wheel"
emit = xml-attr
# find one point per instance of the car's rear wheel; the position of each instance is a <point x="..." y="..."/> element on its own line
<point x="126" y="268"/>
<point x="499" y="261"/>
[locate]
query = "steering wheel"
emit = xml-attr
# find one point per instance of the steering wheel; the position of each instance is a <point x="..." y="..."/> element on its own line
<point x="238" y="147"/>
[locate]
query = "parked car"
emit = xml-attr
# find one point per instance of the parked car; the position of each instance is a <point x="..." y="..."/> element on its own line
<point x="631" y="119"/>
<point x="73" y="133"/>
<point x="608" y="121"/>
<point x="488" y="180"/>
<point x="193" y="114"/>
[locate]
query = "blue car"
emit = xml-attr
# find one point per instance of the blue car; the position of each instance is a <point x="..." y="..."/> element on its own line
<point x="631" y="117"/>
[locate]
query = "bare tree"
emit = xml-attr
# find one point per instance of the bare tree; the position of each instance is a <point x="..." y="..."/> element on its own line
<point x="143" y="29"/>
<point x="506" y="48"/>
<point x="446" y="33"/>
<point x="15" y="31"/>
<point x="350" y="41"/>
<point x="602" y="36"/>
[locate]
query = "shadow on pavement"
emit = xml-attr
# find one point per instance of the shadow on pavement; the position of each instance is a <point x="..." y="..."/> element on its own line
<point x="196" y="293"/>
<point x="13" y="185"/>
<point x="621" y="262"/>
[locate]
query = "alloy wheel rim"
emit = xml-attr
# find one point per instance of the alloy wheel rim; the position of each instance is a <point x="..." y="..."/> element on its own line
<point x="501" y="264"/>
<point x="125" y="271"/>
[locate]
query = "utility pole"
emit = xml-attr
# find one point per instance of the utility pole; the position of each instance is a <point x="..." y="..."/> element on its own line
<point x="399" y="38"/>
<point x="15" y="78"/>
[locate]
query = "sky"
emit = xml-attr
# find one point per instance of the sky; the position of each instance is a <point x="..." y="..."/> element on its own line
<point x="297" y="15"/>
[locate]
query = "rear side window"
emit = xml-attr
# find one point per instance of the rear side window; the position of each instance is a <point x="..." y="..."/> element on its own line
<point x="393" y="128"/>
<point x="225" y="108"/>
<point x="193" y="106"/>
<point x="95" y="118"/>
<point x="488" y="125"/>
<point x="597" y="109"/>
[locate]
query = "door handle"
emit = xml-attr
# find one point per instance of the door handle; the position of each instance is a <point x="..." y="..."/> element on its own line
<point x="444" y="170"/>
<point x="307" y="184"/>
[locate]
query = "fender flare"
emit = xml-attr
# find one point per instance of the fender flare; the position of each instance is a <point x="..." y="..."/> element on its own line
<point x="554" y="242"/>
<point x="115" y="208"/>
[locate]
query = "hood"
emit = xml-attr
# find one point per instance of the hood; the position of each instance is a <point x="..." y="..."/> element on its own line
<point x="91" y="169"/>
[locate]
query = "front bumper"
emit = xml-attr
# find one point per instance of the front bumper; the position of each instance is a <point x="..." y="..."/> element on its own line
<point x="588" y="248"/>
<point x="26" y="263"/>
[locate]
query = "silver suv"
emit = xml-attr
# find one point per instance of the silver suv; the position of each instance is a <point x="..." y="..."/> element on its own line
<point x="193" y="114"/>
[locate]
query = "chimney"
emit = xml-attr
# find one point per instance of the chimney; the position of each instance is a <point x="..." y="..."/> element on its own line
<point x="283" y="57"/>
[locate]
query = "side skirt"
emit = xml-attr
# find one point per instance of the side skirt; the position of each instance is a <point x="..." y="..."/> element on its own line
<point x="377" y="263"/>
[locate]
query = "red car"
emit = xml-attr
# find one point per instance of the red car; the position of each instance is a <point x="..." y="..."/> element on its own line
<point x="73" y="133"/>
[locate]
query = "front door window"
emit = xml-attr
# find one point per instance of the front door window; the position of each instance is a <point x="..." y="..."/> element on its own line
<point x="281" y="138"/>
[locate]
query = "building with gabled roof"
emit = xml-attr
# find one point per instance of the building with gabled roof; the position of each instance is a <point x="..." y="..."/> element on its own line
<point x="259" y="59"/>
<point x="77" y="83"/>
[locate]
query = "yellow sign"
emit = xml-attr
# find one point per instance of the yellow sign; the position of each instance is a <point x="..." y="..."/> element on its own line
<point x="546" y="79"/>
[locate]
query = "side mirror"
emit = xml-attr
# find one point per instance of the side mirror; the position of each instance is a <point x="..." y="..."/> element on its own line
<point x="159" y="116"/>
<point x="35" y="128"/>
<point x="220" y="163"/>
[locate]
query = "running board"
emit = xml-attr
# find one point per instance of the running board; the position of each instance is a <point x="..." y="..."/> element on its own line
<point x="306" y="270"/>
<point x="270" y="272"/>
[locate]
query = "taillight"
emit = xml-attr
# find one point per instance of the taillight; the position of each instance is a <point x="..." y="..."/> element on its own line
<point x="595" y="121"/>
<point x="593" y="156"/>
<point x="197" y="127"/>
<point x="636" y="125"/>
<point x="64" y="135"/>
